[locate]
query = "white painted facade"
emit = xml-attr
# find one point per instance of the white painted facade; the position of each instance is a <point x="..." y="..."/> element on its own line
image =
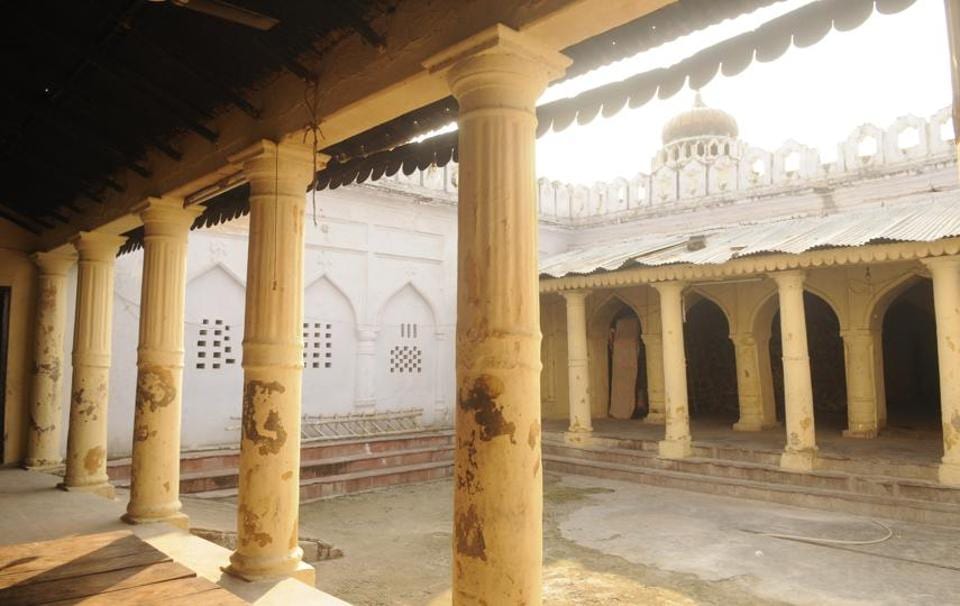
<point x="380" y="267"/>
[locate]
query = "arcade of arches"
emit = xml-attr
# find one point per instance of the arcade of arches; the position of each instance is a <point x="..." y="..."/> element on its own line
<point x="675" y="351"/>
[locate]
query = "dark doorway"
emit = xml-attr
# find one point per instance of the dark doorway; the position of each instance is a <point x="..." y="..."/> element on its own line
<point x="711" y="363"/>
<point x="911" y="376"/>
<point x="626" y="366"/>
<point x="827" y="370"/>
<point x="4" y="344"/>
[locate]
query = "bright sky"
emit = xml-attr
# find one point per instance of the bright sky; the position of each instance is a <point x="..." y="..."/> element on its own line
<point x="891" y="66"/>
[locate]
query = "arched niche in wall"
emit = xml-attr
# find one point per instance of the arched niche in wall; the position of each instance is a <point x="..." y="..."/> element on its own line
<point x="406" y="352"/>
<point x="329" y="350"/>
<point x="711" y="361"/>
<point x="212" y="375"/>
<point x="609" y="363"/>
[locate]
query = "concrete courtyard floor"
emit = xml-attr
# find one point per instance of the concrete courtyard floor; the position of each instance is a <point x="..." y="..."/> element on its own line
<point x="608" y="542"/>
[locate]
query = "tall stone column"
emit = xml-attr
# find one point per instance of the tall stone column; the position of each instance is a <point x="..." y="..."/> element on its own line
<point x="754" y="414"/>
<point x="801" y="449"/>
<point x="653" y="348"/>
<point x="946" y="302"/>
<point x="577" y="363"/>
<point x="676" y="442"/>
<point x="43" y="432"/>
<point x="365" y="397"/>
<point x="497" y="76"/>
<point x="90" y="389"/>
<point x="155" y="466"/>
<point x="269" y="493"/>
<point x="862" y="406"/>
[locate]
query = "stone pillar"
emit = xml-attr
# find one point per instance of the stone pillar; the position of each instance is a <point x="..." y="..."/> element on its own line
<point x="155" y="466"/>
<point x="801" y="449"/>
<point x="365" y="397"/>
<point x="269" y="493"/>
<point x="946" y="302"/>
<point x="754" y="415"/>
<point x="676" y="442"/>
<point x="43" y="432"/>
<point x="862" y="405"/>
<point x="497" y="76"/>
<point x="653" y="347"/>
<point x="577" y="362"/>
<point x="90" y="389"/>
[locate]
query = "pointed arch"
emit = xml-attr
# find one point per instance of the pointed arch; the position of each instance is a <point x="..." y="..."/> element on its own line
<point x="334" y="286"/>
<point x="218" y="266"/>
<point x="885" y="296"/>
<point x="599" y="323"/>
<point x="689" y="302"/>
<point x="408" y="286"/>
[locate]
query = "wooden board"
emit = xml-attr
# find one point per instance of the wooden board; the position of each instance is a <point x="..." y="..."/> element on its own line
<point x="623" y="382"/>
<point x="107" y="568"/>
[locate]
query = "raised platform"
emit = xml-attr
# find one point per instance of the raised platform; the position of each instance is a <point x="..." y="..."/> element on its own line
<point x="892" y="476"/>
<point x="33" y="509"/>
<point x="328" y="468"/>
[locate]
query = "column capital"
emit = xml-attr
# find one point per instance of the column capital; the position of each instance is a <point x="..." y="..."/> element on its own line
<point x="743" y="339"/>
<point x="674" y="286"/>
<point x="945" y="263"/>
<point x="574" y="296"/>
<point x="97" y="245"/>
<point x="477" y="68"/>
<point x="54" y="263"/>
<point x="858" y="333"/>
<point x="167" y="216"/>
<point x="789" y="277"/>
<point x="366" y="332"/>
<point x="269" y="160"/>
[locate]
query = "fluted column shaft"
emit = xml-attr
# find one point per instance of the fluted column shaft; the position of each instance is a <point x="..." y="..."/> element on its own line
<point x="653" y="350"/>
<point x="801" y="449"/>
<point x="754" y="412"/>
<point x="577" y="362"/>
<point x="155" y="465"/>
<point x="90" y="387"/>
<point x="676" y="443"/>
<point x="861" y="370"/>
<point x="945" y="272"/>
<point x="498" y="497"/>
<point x="43" y="432"/>
<point x="365" y="397"/>
<point x="269" y="492"/>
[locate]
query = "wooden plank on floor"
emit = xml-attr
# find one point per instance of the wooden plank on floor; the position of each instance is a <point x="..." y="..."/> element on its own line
<point x="126" y="552"/>
<point x="196" y="591"/>
<point x="76" y="545"/>
<point x="93" y="584"/>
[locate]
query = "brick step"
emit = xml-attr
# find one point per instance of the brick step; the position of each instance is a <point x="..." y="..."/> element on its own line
<point x="229" y="458"/>
<point x="202" y="481"/>
<point x="877" y="484"/>
<point x="350" y="483"/>
<point x="769" y="456"/>
<point x="900" y="508"/>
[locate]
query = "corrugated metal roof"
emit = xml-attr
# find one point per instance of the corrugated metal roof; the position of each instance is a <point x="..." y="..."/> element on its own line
<point x="915" y="222"/>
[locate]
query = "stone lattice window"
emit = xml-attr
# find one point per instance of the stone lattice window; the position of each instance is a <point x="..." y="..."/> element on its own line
<point x="317" y="345"/>
<point x="406" y="359"/>
<point x="214" y="347"/>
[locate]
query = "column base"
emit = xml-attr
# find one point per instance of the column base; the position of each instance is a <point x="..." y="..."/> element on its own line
<point x="180" y="520"/>
<point x="949" y="473"/>
<point x="43" y="465"/>
<point x="863" y="433"/>
<point x="305" y="573"/>
<point x="799" y="460"/>
<point x="655" y="418"/>
<point x="104" y="490"/>
<point x="575" y="438"/>
<point x="674" y="449"/>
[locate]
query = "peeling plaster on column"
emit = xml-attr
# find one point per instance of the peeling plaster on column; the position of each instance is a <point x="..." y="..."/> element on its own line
<point x="44" y="417"/>
<point x="677" y="442"/>
<point x="86" y="463"/>
<point x="578" y="371"/>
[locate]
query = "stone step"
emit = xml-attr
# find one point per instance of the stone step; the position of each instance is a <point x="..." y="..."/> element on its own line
<point x="229" y="458"/>
<point x="894" y="507"/>
<point x="207" y="480"/>
<point x="350" y="483"/>
<point x="769" y="456"/>
<point x="874" y="483"/>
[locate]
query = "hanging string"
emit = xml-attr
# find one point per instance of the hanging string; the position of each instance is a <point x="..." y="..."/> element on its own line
<point x="311" y="94"/>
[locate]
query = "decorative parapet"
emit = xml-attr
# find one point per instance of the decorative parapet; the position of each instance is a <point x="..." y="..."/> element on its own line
<point x="694" y="173"/>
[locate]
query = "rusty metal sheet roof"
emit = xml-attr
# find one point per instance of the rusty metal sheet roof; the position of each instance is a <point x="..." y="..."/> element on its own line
<point x="915" y="222"/>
